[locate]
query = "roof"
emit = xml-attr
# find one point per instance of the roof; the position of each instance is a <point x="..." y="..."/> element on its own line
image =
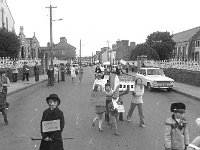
<point x="185" y="35"/>
<point x="63" y="46"/>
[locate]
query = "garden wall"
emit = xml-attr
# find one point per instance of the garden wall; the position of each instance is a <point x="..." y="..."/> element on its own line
<point x="184" y="76"/>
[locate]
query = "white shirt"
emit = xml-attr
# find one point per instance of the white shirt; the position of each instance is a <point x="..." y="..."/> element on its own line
<point x="138" y="96"/>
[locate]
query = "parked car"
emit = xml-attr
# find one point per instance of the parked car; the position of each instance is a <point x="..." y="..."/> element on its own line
<point x="155" y="78"/>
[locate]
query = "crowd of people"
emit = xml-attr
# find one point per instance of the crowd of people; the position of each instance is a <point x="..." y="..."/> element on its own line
<point x="57" y="73"/>
<point x="176" y="134"/>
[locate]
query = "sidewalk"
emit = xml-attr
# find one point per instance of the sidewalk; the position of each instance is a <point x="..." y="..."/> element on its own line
<point x="21" y="85"/>
<point x="184" y="89"/>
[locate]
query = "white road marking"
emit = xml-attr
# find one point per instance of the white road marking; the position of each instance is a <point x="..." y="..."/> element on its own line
<point x="36" y="109"/>
<point x="91" y="141"/>
<point x="35" y="146"/>
<point x="77" y="119"/>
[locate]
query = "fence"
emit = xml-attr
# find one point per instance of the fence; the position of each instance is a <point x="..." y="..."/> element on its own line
<point x="187" y="65"/>
<point x="8" y="63"/>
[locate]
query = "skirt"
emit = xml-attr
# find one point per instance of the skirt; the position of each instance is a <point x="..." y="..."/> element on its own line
<point x="100" y="109"/>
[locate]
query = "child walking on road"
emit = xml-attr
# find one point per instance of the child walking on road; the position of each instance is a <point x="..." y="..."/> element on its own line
<point x="51" y="136"/>
<point x="176" y="132"/>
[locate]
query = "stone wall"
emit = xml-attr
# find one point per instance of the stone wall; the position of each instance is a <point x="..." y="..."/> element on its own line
<point x="184" y="76"/>
<point x="19" y="76"/>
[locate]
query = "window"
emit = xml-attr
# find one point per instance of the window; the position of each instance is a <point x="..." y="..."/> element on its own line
<point x="197" y="43"/>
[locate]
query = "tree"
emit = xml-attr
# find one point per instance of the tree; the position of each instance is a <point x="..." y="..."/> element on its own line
<point x="9" y="44"/>
<point x="144" y="49"/>
<point x="163" y="43"/>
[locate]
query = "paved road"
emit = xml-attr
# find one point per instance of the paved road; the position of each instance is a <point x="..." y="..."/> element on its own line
<point x="27" y="106"/>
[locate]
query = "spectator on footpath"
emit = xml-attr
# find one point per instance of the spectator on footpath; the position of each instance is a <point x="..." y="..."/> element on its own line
<point x="62" y="71"/>
<point x="3" y="96"/>
<point x="56" y="70"/>
<point x="36" y="72"/>
<point x="137" y="100"/>
<point x="25" y="72"/>
<point x="80" y="74"/>
<point x="73" y="74"/>
<point x="14" y="71"/>
<point x="196" y="141"/>
<point x="98" y="70"/>
<point x="50" y="73"/>
<point x="52" y="140"/>
<point x="5" y="80"/>
<point x="176" y="132"/>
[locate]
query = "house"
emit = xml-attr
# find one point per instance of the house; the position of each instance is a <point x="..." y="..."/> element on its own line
<point x="6" y="19"/>
<point x="30" y="47"/>
<point x="187" y="44"/>
<point x="62" y="50"/>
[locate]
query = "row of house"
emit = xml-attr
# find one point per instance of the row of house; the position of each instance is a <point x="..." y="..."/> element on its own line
<point x="30" y="46"/>
<point x="187" y="48"/>
<point x="121" y="50"/>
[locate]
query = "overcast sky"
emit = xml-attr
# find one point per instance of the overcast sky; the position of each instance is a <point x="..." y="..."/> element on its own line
<point x="96" y="21"/>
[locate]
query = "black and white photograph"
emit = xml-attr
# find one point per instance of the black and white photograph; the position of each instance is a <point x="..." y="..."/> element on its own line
<point x="99" y="75"/>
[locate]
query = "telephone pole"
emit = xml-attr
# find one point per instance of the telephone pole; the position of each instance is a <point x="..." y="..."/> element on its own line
<point x="51" y="36"/>
<point x="80" y="53"/>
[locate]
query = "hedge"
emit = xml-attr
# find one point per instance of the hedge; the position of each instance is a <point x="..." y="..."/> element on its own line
<point x="184" y="76"/>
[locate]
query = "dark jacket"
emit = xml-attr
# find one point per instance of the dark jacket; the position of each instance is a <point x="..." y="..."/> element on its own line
<point x="25" y="69"/>
<point x="3" y="95"/>
<point x="36" y="70"/>
<point x="57" y="143"/>
<point x="50" y="73"/>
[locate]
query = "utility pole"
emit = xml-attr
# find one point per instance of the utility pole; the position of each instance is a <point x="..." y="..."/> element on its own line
<point x="92" y="57"/>
<point x="80" y="53"/>
<point x="51" y="36"/>
<point x="109" y="52"/>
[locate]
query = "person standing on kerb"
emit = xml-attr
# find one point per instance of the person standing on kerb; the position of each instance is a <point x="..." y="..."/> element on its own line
<point x="52" y="140"/>
<point x="3" y="96"/>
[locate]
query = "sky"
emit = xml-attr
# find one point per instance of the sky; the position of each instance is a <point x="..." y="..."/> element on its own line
<point x="95" y="22"/>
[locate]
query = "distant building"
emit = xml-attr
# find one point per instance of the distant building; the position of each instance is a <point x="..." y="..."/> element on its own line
<point x="6" y="19"/>
<point x="121" y="50"/>
<point x="62" y="50"/>
<point x="30" y="47"/>
<point x="187" y="44"/>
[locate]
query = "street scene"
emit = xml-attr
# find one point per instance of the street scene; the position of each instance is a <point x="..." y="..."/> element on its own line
<point x="99" y="75"/>
<point x="26" y="109"/>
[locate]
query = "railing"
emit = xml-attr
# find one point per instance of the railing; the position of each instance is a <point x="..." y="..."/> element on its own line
<point x="8" y="63"/>
<point x="188" y="65"/>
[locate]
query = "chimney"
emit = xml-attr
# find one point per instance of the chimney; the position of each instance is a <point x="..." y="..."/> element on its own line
<point x="63" y="40"/>
<point x="48" y="44"/>
<point x="118" y="43"/>
<point x="132" y="44"/>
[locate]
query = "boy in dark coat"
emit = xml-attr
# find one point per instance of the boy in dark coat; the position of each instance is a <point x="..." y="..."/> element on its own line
<point x="50" y="73"/>
<point x="52" y="140"/>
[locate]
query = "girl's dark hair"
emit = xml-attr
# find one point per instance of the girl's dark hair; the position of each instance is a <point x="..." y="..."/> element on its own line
<point x="96" y="87"/>
<point x="137" y="79"/>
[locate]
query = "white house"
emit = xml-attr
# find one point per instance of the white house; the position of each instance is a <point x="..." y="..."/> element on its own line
<point x="6" y="19"/>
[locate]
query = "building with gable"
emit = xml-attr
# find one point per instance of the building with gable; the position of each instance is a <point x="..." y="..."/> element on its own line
<point x="6" y="19"/>
<point x="30" y="47"/>
<point x="62" y="50"/>
<point x="187" y="44"/>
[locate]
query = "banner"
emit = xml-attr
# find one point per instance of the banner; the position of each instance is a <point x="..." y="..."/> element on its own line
<point x="48" y="126"/>
<point x="98" y="98"/>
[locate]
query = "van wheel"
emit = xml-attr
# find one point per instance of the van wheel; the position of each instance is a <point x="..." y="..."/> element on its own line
<point x="150" y="89"/>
